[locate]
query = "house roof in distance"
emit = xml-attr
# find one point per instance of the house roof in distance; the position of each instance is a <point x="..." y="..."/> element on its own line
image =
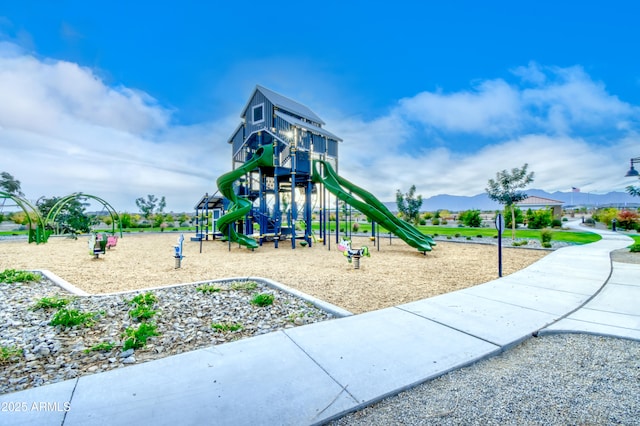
<point x="539" y="201"/>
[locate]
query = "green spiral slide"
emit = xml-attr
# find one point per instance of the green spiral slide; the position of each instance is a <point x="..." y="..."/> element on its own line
<point x="240" y="207"/>
<point x="370" y="207"/>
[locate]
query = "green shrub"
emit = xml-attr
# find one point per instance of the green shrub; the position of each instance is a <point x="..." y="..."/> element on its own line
<point x="100" y="347"/>
<point x="142" y="313"/>
<point x="520" y="243"/>
<point x="73" y="317"/>
<point x="262" y="299"/>
<point x="507" y="216"/>
<point x="545" y="236"/>
<point x="539" y="219"/>
<point x="556" y="223"/>
<point x="13" y="276"/>
<point x="146" y="299"/>
<point x="479" y="236"/>
<point x="51" y="302"/>
<point x="244" y="285"/>
<point x="444" y="221"/>
<point x="435" y="221"/>
<point x="635" y="248"/>
<point x="208" y="288"/>
<point x="226" y="326"/>
<point x="137" y="337"/>
<point x="471" y="218"/>
<point x="9" y="354"/>
<point x="457" y="235"/>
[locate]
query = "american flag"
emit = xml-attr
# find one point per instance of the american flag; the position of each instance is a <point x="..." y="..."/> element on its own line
<point x="574" y="189"/>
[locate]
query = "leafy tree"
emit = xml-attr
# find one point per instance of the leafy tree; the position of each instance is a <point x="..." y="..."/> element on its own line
<point x="71" y="217"/>
<point x="125" y="220"/>
<point x="634" y="191"/>
<point x="471" y="218"/>
<point x="505" y="189"/>
<point x="148" y="206"/>
<point x="10" y="185"/>
<point x="409" y="204"/>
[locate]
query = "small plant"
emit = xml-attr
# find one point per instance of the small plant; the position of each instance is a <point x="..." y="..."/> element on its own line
<point x="457" y="235"/>
<point x="479" y="236"/>
<point x="73" y="317"/>
<point x="100" y="347"/>
<point x="635" y="248"/>
<point x="262" y="299"/>
<point x="142" y="306"/>
<point x="435" y="221"/>
<point x="435" y="234"/>
<point x="13" y="276"/>
<point x="51" y="303"/>
<point x="520" y="243"/>
<point x="146" y="299"/>
<point x="137" y="337"/>
<point x="208" y="288"/>
<point x="142" y="312"/>
<point x="468" y="238"/>
<point x="226" y="326"/>
<point x="244" y="285"/>
<point x="448" y="237"/>
<point x="9" y="354"/>
<point x="545" y="236"/>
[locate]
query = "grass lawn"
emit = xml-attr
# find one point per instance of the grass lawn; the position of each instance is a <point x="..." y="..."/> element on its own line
<point x="574" y="237"/>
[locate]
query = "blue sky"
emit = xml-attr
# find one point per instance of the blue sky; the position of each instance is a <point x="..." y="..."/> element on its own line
<point x="124" y="99"/>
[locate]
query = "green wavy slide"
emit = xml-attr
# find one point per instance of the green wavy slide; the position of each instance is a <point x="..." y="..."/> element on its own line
<point x="370" y="206"/>
<point x="240" y="207"/>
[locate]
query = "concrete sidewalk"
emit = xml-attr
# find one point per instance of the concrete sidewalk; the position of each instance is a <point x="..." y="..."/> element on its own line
<point x="314" y="373"/>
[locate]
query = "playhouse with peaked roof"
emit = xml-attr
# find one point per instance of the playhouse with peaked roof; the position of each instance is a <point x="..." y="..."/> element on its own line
<point x="281" y="191"/>
<point x="285" y="168"/>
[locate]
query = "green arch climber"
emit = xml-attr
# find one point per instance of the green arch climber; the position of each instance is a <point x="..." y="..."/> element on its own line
<point x="57" y="207"/>
<point x="37" y="232"/>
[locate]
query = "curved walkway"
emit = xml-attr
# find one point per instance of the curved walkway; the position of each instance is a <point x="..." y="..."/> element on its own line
<point x="315" y="373"/>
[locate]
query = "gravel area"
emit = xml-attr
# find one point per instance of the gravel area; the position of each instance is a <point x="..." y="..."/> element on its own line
<point x="551" y="380"/>
<point x="184" y="321"/>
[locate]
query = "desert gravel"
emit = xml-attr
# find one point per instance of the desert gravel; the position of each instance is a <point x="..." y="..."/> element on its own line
<point x="552" y="380"/>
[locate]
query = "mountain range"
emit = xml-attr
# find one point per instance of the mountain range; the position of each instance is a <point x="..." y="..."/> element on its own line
<point x="456" y="203"/>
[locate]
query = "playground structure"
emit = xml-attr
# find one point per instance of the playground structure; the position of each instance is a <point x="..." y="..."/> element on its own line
<point x="40" y="228"/>
<point x="285" y="167"/>
<point x="208" y="210"/>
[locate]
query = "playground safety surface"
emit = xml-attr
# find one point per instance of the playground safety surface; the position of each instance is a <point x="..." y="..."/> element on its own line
<point x="394" y="274"/>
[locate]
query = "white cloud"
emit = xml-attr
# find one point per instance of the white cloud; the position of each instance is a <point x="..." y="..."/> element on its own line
<point x="63" y="130"/>
<point x="493" y="107"/>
